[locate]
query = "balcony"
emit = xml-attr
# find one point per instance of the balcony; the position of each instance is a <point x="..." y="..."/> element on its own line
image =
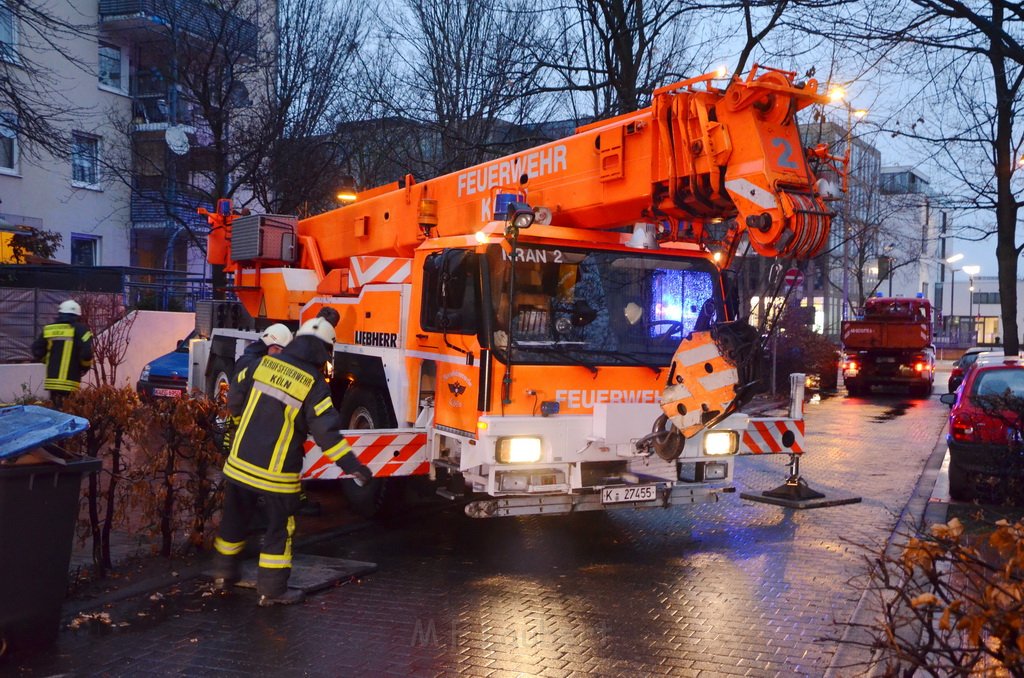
<point x="151" y="209"/>
<point x="193" y="17"/>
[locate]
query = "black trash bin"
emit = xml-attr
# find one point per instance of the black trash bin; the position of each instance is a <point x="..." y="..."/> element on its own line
<point x="38" y="509"/>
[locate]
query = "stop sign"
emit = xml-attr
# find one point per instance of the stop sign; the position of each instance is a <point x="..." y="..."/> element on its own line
<point x="794" y="278"/>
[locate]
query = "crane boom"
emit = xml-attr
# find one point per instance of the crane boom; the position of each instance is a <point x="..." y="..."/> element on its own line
<point x="698" y="157"/>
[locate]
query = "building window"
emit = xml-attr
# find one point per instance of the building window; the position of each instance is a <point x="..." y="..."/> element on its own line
<point x="985" y="298"/>
<point x="85" y="155"/>
<point x="8" y="143"/>
<point x="85" y="250"/>
<point x="111" y="63"/>
<point x="8" y="33"/>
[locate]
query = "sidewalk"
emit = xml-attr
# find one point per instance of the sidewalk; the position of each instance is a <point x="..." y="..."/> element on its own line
<point x="137" y="567"/>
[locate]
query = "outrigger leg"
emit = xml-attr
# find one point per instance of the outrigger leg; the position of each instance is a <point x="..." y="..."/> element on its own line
<point x="795" y="488"/>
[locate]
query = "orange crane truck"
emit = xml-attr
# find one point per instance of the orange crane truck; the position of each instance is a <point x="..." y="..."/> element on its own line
<point x="548" y="332"/>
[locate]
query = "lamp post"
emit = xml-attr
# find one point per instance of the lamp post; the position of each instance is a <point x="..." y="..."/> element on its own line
<point x="952" y="285"/>
<point x="838" y="96"/>
<point x="971" y="271"/>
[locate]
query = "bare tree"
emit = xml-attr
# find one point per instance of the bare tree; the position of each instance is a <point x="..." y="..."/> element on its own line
<point x="29" y="90"/>
<point x="458" y="73"/>
<point x="612" y="54"/>
<point x="298" y="157"/>
<point x="967" y="66"/>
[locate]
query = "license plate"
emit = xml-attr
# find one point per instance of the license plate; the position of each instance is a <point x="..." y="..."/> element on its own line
<point x="624" y="493"/>
<point x="886" y="359"/>
<point x="167" y="392"/>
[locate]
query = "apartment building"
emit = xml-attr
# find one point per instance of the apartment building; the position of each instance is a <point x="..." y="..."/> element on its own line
<point x="140" y="160"/>
<point x="68" y="195"/>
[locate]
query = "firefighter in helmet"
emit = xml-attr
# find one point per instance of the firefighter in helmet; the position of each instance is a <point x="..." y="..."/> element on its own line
<point x="271" y="342"/>
<point x="277" y="403"/>
<point x="65" y="346"/>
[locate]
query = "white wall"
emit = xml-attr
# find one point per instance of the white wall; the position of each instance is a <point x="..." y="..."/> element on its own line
<point x="153" y="334"/>
<point x="18" y="380"/>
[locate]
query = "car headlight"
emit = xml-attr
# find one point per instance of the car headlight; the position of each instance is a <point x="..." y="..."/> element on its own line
<point x="145" y="374"/>
<point x="518" y="450"/>
<point x="717" y="443"/>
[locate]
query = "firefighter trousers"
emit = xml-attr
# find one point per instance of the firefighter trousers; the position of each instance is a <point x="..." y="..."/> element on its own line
<point x="241" y="503"/>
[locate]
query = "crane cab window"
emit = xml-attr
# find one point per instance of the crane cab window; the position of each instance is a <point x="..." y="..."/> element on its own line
<point x="598" y="307"/>
<point x="451" y="297"/>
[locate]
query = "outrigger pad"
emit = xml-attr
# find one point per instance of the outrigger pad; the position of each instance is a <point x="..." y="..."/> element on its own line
<point x="312" y="573"/>
<point x="799" y="496"/>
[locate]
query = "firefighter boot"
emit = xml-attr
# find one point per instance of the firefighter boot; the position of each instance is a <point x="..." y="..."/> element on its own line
<point x="226" y="572"/>
<point x="307" y="506"/>
<point x="272" y="588"/>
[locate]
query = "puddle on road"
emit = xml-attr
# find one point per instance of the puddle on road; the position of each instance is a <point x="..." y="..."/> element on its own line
<point x="897" y="410"/>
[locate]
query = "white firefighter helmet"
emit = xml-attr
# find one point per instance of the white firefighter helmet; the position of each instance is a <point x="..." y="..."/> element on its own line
<point x="319" y="328"/>
<point x="69" y="307"/>
<point x="277" y="335"/>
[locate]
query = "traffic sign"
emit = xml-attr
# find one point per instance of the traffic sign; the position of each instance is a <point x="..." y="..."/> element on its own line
<point x="794" y="278"/>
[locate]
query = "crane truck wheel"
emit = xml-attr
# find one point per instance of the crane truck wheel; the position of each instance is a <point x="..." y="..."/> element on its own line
<point x="219" y="380"/>
<point x="362" y="409"/>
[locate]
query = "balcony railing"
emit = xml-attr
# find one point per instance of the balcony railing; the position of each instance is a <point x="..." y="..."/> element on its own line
<point x="154" y="209"/>
<point x="194" y="17"/>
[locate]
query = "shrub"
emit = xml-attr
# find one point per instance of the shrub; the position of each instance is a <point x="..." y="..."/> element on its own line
<point x="115" y="421"/>
<point x="178" y="489"/>
<point x="952" y="605"/>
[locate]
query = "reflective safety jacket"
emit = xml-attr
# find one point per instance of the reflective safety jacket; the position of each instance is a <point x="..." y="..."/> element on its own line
<point x="66" y="348"/>
<point x="250" y="356"/>
<point x="277" y="403"/>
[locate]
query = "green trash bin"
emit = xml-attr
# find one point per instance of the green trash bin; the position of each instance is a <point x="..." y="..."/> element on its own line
<point x="38" y="510"/>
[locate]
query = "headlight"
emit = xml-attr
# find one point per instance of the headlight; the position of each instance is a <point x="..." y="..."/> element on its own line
<point x="145" y="374"/>
<point x="717" y="443"/>
<point x="520" y="450"/>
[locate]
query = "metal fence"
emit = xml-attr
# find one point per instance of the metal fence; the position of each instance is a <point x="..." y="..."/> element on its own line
<point x="29" y="297"/>
<point x="23" y="312"/>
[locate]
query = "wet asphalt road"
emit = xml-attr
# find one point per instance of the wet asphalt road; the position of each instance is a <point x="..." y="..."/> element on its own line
<point x="733" y="588"/>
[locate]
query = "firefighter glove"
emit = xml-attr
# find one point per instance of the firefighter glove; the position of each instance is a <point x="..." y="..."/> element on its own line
<point x="350" y="464"/>
<point x="228" y="439"/>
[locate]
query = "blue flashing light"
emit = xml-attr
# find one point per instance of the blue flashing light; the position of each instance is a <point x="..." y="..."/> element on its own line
<point x="501" y="203"/>
<point x="920" y="295"/>
<point x="878" y="294"/>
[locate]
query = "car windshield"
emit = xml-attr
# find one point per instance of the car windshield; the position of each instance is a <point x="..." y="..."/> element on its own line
<point x="968" y="359"/>
<point x="994" y="382"/>
<point x="597" y="307"/>
<point x="184" y="343"/>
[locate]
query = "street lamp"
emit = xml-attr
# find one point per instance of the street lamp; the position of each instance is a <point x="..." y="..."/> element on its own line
<point x="971" y="271"/>
<point x="837" y="95"/>
<point x="347" y="192"/>
<point x="952" y="284"/>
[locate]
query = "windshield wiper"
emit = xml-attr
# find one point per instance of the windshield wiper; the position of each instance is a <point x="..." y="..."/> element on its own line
<point x="631" y="359"/>
<point x="559" y="351"/>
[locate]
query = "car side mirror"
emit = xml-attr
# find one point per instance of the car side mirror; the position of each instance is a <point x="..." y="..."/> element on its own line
<point x="948" y="399"/>
<point x="956" y="363"/>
